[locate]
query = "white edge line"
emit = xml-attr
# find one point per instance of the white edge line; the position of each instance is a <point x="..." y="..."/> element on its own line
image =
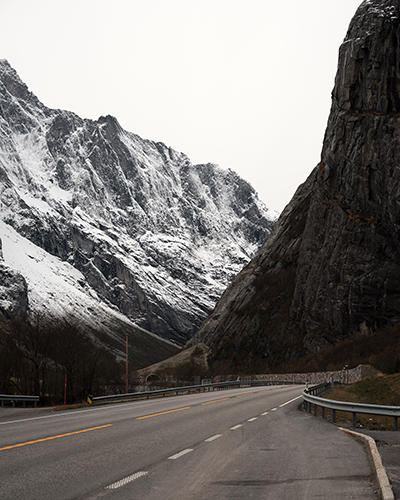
<point x="287" y="402"/>
<point x="213" y="438"/>
<point x="180" y="454"/>
<point x="126" y="480"/>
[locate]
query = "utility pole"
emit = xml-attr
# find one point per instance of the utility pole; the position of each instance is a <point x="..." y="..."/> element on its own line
<point x="126" y="365"/>
<point x="65" y="392"/>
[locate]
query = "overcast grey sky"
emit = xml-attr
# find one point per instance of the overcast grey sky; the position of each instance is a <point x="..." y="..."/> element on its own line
<point x="245" y="84"/>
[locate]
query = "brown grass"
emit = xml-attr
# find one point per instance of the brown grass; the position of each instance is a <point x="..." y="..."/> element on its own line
<point x="383" y="390"/>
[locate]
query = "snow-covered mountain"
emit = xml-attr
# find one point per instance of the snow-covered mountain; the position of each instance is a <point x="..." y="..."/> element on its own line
<point x="101" y="222"/>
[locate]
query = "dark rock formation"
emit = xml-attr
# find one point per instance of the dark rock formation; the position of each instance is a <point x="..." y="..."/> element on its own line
<point x="13" y="292"/>
<point x="331" y="266"/>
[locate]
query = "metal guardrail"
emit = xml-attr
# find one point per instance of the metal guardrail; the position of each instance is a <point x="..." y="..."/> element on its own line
<point x="187" y="389"/>
<point x="13" y="398"/>
<point x="162" y="392"/>
<point x="354" y="408"/>
<point x="316" y="390"/>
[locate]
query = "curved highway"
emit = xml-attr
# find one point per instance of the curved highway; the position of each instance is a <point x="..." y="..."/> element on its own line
<point x="241" y="443"/>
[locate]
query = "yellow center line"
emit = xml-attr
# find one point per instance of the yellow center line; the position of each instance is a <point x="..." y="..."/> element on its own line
<point x="54" y="437"/>
<point x="163" y="413"/>
<point x="215" y="401"/>
<point x="247" y="394"/>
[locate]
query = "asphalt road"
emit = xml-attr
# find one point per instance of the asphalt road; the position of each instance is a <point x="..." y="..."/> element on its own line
<point x="236" y="444"/>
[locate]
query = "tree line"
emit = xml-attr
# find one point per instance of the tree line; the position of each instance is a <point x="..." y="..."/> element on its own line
<point x="39" y="354"/>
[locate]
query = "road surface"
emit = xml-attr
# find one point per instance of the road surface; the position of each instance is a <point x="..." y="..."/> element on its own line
<point x="237" y="444"/>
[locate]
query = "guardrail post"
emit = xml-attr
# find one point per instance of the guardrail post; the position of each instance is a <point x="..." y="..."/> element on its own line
<point x="309" y="398"/>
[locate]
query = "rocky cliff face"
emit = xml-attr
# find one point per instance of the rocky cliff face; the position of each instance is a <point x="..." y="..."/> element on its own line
<point x="13" y="291"/>
<point x="145" y="232"/>
<point x="331" y="266"/>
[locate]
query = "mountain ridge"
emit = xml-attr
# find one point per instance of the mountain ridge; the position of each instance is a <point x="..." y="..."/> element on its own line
<point x="150" y="235"/>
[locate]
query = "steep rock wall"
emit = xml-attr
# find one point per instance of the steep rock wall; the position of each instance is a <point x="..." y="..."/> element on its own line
<point x="13" y="292"/>
<point x="331" y="266"/>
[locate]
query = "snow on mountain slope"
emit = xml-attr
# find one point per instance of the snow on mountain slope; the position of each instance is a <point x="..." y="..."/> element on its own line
<point x="57" y="289"/>
<point x="132" y="224"/>
<point x="53" y="285"/>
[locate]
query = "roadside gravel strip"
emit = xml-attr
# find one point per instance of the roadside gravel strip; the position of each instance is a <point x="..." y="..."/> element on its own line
<point x="384" y="485"/>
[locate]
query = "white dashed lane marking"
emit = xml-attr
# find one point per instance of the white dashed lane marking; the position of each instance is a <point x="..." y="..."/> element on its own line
<point x="213" y="438"/>
<point x="180" y="454"/>
<point x="126" y="480"/>
<point x="139" y="474"/>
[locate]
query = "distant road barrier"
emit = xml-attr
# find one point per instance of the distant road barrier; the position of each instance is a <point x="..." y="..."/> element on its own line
<point x="245" y="382"/>
<point x="310" y="399"/>
<point x="13" y="399"/>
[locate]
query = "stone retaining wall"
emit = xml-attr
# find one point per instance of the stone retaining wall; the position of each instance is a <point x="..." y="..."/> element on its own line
<point x="344" y="376"/>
